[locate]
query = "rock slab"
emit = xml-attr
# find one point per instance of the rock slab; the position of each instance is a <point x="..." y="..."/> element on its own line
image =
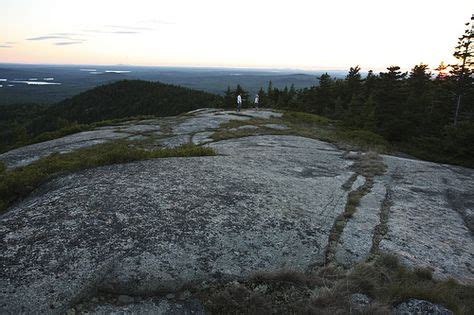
<point x="267" y="203"/>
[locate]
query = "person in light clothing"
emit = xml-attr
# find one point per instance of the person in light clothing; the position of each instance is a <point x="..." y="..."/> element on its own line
<point x="256" y="102"/>
<point x="239" y="102"/>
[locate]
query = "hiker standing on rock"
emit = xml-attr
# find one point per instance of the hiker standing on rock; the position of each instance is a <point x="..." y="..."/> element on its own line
<point x="256" y="102"/>
<point x="239" y="102"/>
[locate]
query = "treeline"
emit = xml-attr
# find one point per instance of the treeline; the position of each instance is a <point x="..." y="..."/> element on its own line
<point x="414" y="110"/>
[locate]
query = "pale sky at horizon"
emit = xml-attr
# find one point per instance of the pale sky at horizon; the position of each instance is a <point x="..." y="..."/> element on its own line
<point x="300" y="34"/>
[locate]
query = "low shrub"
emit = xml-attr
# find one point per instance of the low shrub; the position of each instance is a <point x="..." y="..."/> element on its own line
<point x="365" y="139"/>
<point x="306" y="118"/>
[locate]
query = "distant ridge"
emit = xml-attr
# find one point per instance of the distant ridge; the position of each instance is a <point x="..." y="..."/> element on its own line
<point x="128" y="98"/>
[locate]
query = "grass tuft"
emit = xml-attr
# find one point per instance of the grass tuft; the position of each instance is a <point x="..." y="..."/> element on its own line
<point x="328" y="290"/>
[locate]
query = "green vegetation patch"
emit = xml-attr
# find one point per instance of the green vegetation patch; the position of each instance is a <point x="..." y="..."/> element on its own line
<point x="309" y="126"/>
<point x="18" y="183"/>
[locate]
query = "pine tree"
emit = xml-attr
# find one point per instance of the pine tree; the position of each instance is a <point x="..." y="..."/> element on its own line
<point x="416" y="109"/>
<point x="324" y="102"/>
<point x="370" y="120"/>
<point x="270" y="95"/>
<point x="390" y="96"/>
<point x="353" y="80"/>
<point x="229" y="98"/>
<point x="338" y="108"/>
<point x="262" y="98"/>
<point x="463" y="71"/>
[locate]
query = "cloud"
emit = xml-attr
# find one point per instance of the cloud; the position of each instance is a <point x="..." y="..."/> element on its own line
<point x="112" y="32"/>
<point x="47" y="37"/>
<point x="124" y="32"/>
<point x="68" y="43"/>
<point x="65" y="34"/>
<point x="6" y="46"/>
<point x="66" y="40"/>
<point x="74" y="38"/>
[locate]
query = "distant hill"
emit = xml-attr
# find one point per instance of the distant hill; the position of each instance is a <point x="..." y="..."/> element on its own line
<point x="71" y="80"/>
<point x="21" y="124"/>
<point x="131" y="98"/>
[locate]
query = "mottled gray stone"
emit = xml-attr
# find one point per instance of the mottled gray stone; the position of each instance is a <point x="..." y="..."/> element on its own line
<point x="244" y="127"/>
<point x="356" y="239"/>
<point x="137" y="138"/>
<point x="359" y="182"/>
<point x="202" y="137"/>
<point x="151" y="306"/>
<point x="27" y="154"/>
<point x="205" y="120"/>
<point x="420" y="307"/>
<point x="140" y="128"/>
<point x="276" y="126"/>
<point x="203" y="111"/>
<point x="194" y="122"/>
<point x="261" y="113"/>
<point x="424" y="229"/>
<point x="175" y="141"/>
<point x="359" y="303"/>
<point x="160" y="224"/>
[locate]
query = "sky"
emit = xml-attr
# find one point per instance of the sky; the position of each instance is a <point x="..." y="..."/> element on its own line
<point x="297" y="34"/>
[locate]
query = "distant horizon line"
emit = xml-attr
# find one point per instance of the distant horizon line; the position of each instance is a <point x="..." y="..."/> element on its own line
<point x="190" y="66"/>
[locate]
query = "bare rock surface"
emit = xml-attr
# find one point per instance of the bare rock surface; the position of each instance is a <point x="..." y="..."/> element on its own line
<point x="175" y="141"/>
<point x="276" y="126"/>
<point x="244" y="127"/>
<point x="25" y="155"/>
<point x="150" y="306"/>
<point x="202" y="137"/>
<point x="424" y="228"/>
<point x="205" y="120"/>
<point x="140" y="128"/>
<point x="356" y="240"/>
<point x="182" y="128"/>
<point x="415" y="307"/>
<point x="266" y="204"/>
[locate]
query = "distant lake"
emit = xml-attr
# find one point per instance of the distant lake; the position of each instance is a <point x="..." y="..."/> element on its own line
<point x="36" y="82"/>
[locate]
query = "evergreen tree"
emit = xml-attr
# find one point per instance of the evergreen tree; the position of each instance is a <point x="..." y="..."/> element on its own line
<point x="370" y="83"/>
<point x="368" y="113"/>
<point x="353" y="117"/>
<point x="338" y="108"/>
<point x="353" y="82"/>
<point x="464" y="70"/>
<point x="262" y="98"/>
<point x="324" y="102"/>
<point x="229" y="98"/>
<point x="419" y="100"/>
<point x="389" y="97"/>
<point x="270" y="94"/>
